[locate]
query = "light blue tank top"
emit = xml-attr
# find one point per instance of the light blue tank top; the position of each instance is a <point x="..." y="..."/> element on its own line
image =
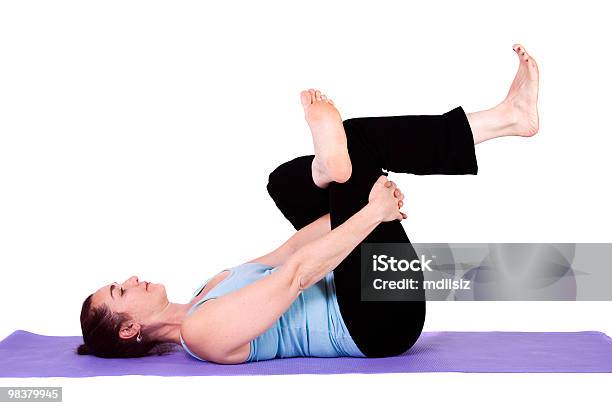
<point x="312" y="326"/>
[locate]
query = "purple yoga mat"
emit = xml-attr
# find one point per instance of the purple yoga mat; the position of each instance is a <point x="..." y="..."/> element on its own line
<point x="25" y="354"/>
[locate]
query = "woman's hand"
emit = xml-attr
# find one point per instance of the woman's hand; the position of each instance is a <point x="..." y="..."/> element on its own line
<point x="387" y="199"/>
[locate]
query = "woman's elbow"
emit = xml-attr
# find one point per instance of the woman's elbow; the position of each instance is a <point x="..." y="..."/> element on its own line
<point x="302" y="269"/>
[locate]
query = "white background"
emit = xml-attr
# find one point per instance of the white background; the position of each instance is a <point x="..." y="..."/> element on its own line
<point x="136" y="138"/>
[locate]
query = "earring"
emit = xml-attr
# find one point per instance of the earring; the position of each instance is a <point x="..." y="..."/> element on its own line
<point x="139" y="337"/>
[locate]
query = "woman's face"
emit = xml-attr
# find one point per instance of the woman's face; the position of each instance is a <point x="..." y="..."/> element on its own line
<point x="141" y="300"/>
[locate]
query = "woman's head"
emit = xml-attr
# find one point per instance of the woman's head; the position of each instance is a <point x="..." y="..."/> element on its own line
<point x="117" y="320"/>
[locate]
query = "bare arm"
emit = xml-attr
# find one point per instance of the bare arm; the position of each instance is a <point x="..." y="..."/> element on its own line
<point x="310" y="233"/>
<point x="316" y="259"/>
<point x="221" y="329"/>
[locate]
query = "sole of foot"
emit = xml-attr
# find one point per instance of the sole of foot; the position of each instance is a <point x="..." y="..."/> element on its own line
<point x="332" y="162"/>
<point x="521" y="103"/>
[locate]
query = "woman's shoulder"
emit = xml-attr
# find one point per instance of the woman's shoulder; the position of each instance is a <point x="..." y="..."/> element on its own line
<point x="199" y="335"/>
<point x="199" y="328"/>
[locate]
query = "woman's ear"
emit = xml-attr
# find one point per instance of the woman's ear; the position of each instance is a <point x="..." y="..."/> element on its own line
<point x="129" y="329"/>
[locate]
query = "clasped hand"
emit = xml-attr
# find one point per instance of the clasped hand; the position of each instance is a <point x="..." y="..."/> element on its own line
<point x="386" y="197"/>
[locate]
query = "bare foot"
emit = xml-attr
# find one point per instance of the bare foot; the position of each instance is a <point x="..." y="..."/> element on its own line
<point x="522" y="100"/>
<point x="332" y="161"/>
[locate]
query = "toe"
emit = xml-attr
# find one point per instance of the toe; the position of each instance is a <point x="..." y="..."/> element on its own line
<point x="318" y="95"/>
<point x="306" y="98"/>
<point x="521" y="52"/>
<point x="330" y="101"/>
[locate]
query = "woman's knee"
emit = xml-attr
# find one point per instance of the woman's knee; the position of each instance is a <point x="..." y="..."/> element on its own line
<point x="279" y="178"/>
<point x="274" y="185"/>
<point x="291" y="177"/>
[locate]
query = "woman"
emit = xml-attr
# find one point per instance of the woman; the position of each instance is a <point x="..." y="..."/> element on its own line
<point x="303" y="298"/>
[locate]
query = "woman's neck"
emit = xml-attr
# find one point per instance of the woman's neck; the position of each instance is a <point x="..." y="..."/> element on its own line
<point x="167" y="326"/>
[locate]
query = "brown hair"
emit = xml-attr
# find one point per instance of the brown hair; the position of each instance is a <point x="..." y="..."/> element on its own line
<point x="100" y="327"/>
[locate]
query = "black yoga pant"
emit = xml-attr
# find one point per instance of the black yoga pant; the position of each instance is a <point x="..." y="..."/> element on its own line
<point x="416" y="144"/>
